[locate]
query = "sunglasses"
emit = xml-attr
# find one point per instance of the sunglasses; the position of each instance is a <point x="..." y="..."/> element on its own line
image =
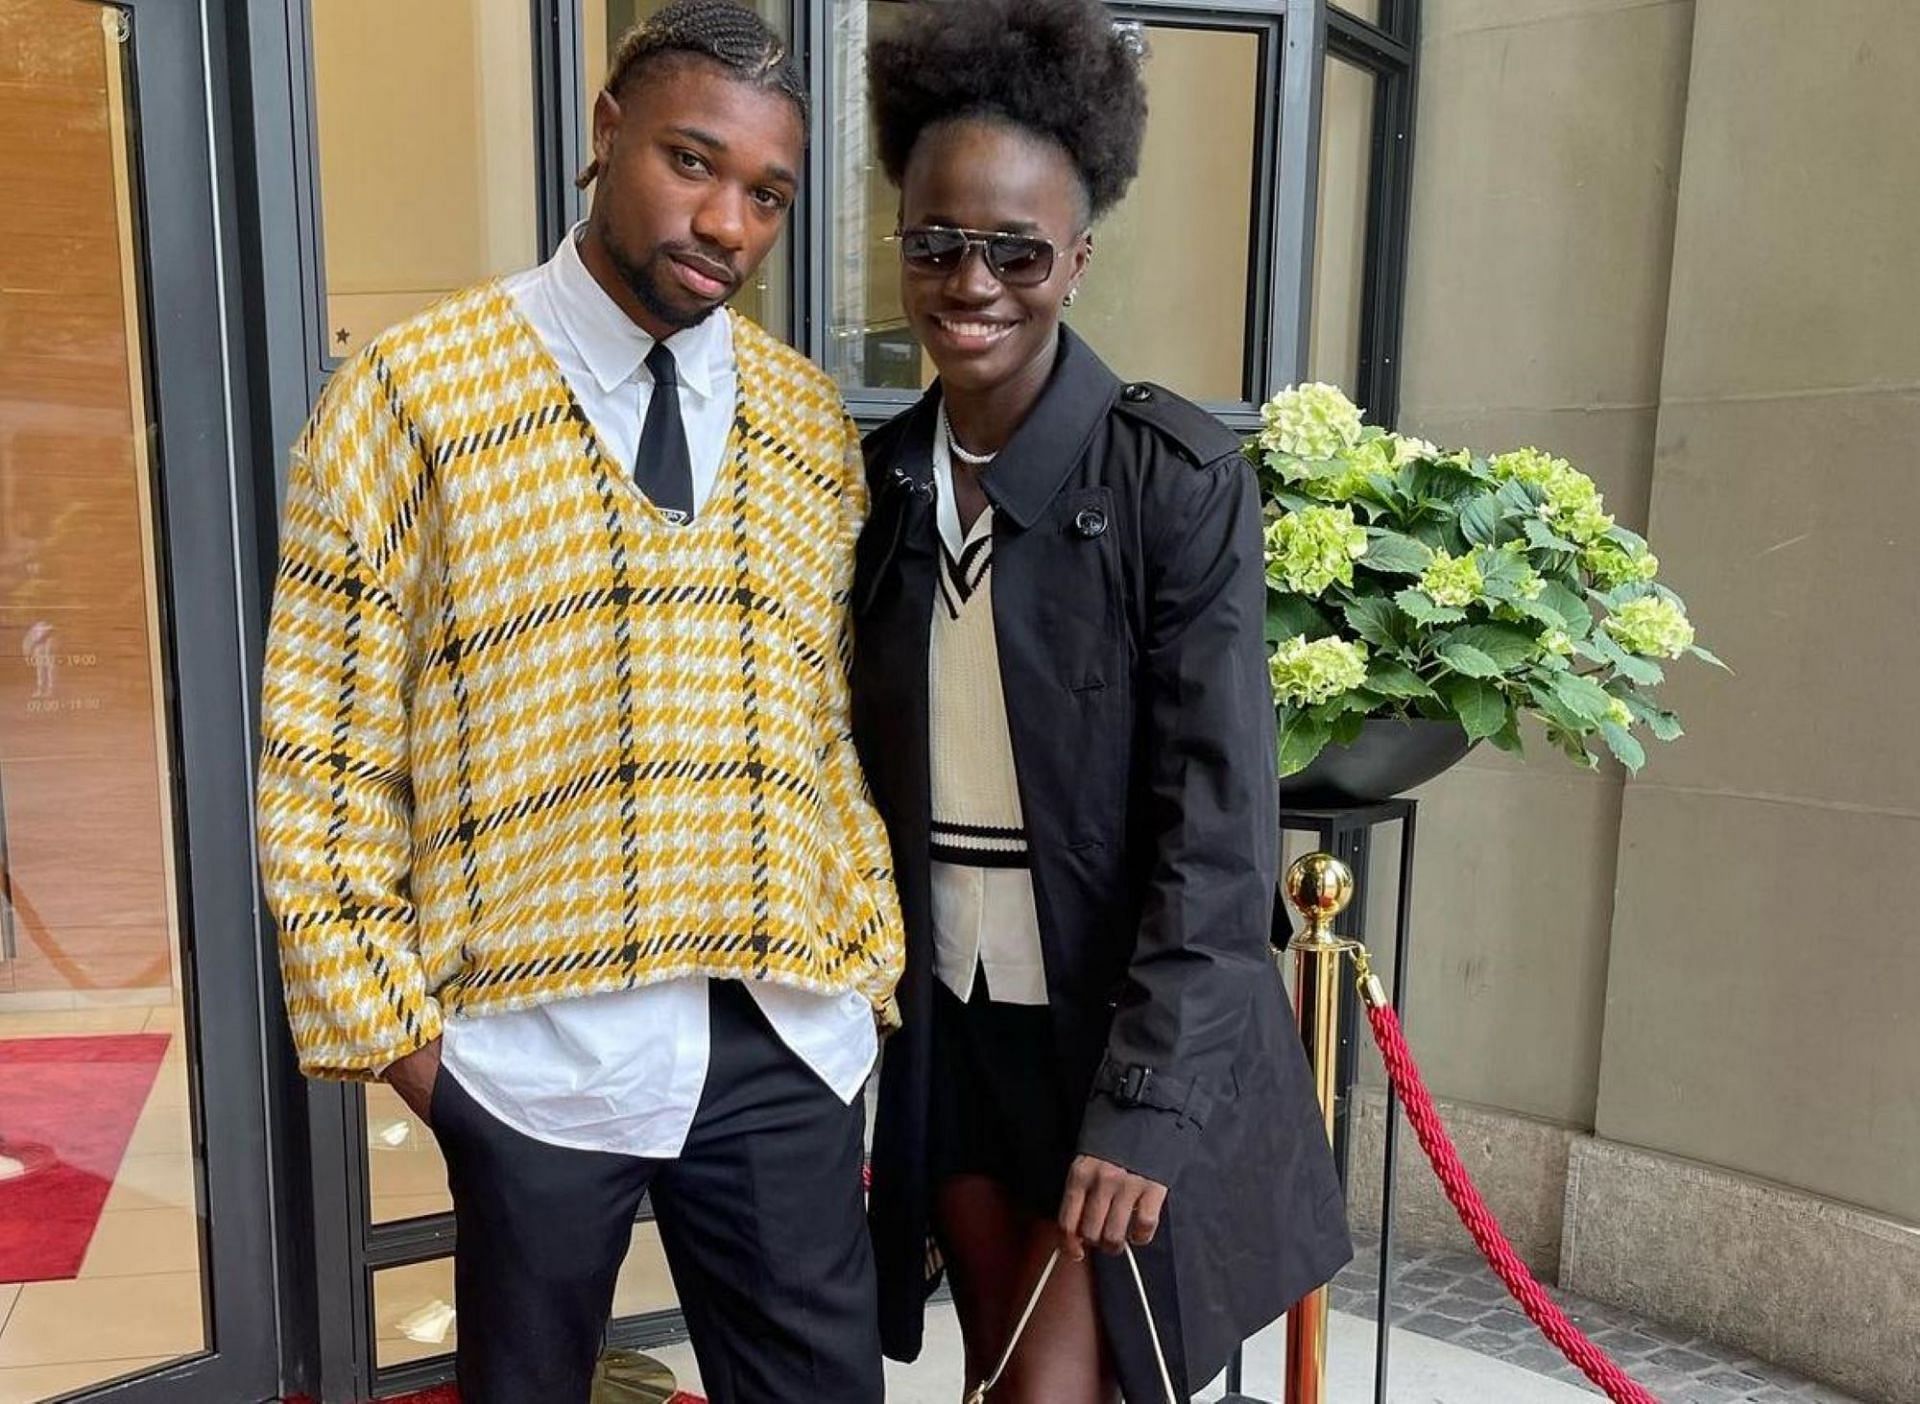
<point x="1017" y="260"/>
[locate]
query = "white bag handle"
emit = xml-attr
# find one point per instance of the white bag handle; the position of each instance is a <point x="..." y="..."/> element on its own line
<point x="979" y="1396"/>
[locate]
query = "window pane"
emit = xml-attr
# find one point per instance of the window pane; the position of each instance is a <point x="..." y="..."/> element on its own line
<point x="1340" y="245"/>
<point x="1368" y="10"/>
<point x="424" y="115"/>
<point x="100" y="1160"/>
<point x="768" y="299"/>
<point x="405" y="1174"/>
<point x="1167" y="296"/>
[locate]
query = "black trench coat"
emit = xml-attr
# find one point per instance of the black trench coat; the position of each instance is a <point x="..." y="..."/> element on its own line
<point x="1129" y="608"/>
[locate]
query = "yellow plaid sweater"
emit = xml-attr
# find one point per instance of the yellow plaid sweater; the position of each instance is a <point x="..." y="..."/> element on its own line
<point x="523" y="739"/>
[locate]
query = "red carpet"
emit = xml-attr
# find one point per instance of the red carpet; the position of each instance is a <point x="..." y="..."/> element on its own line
<point x="446" y="1394"/>
<point x="67" y="1109"/>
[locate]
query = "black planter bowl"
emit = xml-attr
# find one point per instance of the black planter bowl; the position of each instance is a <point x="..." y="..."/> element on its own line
<point x="1390" y="757"/>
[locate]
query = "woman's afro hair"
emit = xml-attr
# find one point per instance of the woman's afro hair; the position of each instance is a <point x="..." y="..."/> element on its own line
<point x="1060" y="69"/>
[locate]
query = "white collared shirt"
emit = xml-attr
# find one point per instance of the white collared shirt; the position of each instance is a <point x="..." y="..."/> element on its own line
<point x="624" y="1072"/>
<point x="603" y="355"/>
<point x="984" y="917"/>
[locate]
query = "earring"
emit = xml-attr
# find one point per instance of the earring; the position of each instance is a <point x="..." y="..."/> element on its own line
<point x="1072" y="296"/>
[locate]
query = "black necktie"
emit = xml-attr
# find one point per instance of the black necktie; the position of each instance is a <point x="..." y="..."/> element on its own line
<point x="663" y="469"/>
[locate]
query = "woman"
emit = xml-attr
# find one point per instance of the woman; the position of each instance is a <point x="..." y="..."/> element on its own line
<point x="1061" y="699"/>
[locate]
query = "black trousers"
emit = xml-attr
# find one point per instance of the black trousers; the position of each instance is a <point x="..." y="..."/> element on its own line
<point x="762" y="1219"/>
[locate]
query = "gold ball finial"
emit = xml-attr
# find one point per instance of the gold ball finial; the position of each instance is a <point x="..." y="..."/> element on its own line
<point x="1319" y="886"/>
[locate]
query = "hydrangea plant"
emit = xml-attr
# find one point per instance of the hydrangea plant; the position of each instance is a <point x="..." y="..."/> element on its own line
<point x="1408" y="581"/>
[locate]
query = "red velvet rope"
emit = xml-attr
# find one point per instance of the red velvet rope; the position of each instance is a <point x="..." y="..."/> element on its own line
<point x="1480" y="1222"/>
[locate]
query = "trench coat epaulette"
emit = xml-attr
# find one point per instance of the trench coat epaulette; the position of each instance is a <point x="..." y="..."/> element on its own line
<point x="1195" y="434"/>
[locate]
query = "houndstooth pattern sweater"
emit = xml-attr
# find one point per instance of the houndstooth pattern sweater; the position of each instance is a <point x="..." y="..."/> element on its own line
<point x="525" y="740"/>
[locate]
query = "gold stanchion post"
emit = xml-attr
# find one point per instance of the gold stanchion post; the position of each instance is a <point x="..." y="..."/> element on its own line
<point x="1318" y="886"/>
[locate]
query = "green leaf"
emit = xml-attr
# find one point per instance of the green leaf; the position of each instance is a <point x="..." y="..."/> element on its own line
<point x="1633" y="541"/>
<point x="1375" y="620"/>
<point x="1507" y="738"/>
<point x="1418" y="606"/>
<point x="1481" y="707"/>
<point x="1584" y="698"/>
<point x="1468" y="660"/>
<point x="1360" y="700"/>
<point x="1394" y="679"/>
<point x="1625" y="746"/>
<point x="1601" y="648"/>
<point x="1544" y="538"/>
<point x="1575" y="748"/>
<point x="1301" y="739"/>
<point x="1537" y="612"/>
<point x="1393" y="554"/>
<point x="1294" y="616"/>
<point x="1480" y="520"/>
<point x="1506" y="645"/>
<point x="1575" y="615"/>
<point x="1446" y="483"/>
<point x="1699" y="652"/>
<point x="1664" y="725"/>
<point x="1347" y="727"/>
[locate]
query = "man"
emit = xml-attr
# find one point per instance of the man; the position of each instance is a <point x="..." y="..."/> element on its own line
<point x="560" y="818"/>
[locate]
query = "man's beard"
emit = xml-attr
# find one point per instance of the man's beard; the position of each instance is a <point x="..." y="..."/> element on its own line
<point x="647" y="280"/>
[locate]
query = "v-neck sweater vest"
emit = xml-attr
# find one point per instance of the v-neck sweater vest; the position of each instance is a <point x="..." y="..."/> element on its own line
<point x="524" y="739"/>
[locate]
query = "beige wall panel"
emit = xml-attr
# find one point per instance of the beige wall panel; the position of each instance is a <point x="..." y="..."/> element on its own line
<point x="1513" y="889"/>
<point x="1440" y="19"/>
<point x="1759" y="1010"/>
<point x="1788" y="525"/>
<point x="1543" y="210"/>
<point x="1795" y="262"/>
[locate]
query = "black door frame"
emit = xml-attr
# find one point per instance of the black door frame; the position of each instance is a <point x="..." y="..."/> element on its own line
<point x="209" y="609"/>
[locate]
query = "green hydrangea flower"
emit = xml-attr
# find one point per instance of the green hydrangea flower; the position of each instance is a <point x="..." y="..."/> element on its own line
<point x="1557" y="642"/>
<point x="1313" y="548"/>
<point x="1310" y="421"/>
<point x="1307" y="672"/>
<point x="1619" y="713"/>
<point x="1528" y="465"/>
<point x="1410" y="450"/>
<point x="1575" y="509"/>
<point x="1651" y="626"/>
<point x="1612" y="565"/>
<point x="1453" y="581"/>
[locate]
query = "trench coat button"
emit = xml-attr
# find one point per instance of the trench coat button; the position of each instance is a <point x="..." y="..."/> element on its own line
<point x="1137" y="394"/>
<point x="1090" y="522"/>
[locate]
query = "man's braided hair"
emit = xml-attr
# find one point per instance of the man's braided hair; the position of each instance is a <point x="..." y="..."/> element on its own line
<point x="719" y="31"/>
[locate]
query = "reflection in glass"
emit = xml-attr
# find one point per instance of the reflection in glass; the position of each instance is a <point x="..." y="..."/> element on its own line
<point x="1340" y="245"/>
<point x="424" y="122"/>
<point x="1167" y="297"/>
<point x="768" y="299"/>
<point x="1368" y="10"/>
<point x="406" y="1177"/>
<point x="101" y="1259"/>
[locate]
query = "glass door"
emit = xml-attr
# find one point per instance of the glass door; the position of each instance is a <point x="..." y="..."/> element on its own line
<point x="135" y="1257"/>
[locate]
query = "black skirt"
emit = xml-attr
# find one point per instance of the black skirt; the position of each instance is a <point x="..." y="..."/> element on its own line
<point x="997" y="1109"/>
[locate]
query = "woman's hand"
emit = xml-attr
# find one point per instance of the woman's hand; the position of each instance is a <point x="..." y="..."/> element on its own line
<point x="1108" y="1206"/>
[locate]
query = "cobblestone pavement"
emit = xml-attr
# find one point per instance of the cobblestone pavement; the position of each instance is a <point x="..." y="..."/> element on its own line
<point x="1455" y="1297"/>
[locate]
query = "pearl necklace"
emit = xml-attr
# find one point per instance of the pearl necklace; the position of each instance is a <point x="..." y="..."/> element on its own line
<point x="972" y="460"/>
